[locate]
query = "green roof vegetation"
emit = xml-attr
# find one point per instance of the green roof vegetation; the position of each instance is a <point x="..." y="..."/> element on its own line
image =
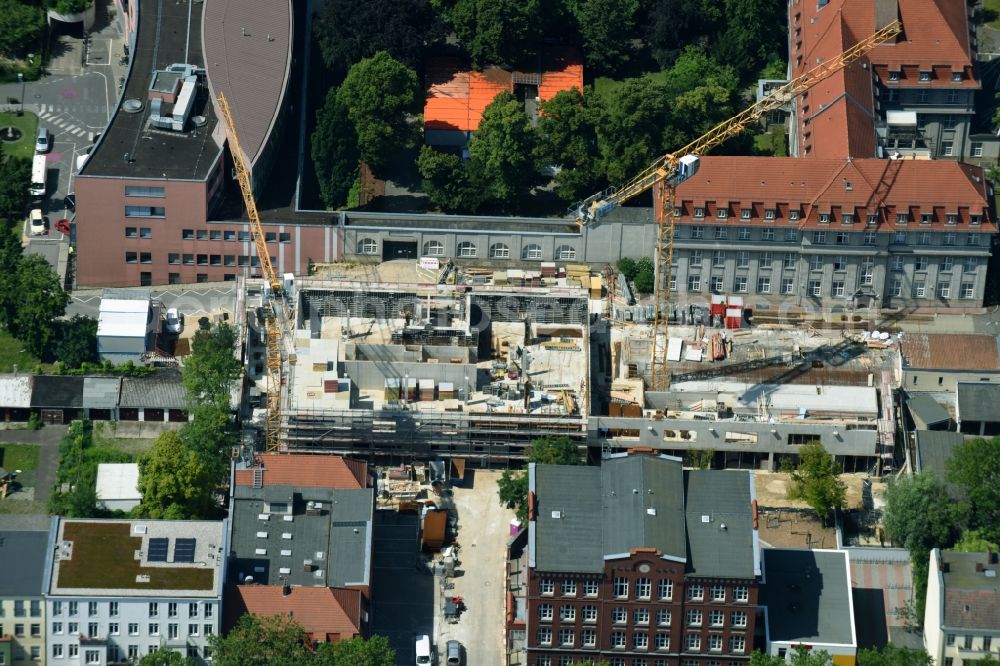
<point x="104" y="558"/>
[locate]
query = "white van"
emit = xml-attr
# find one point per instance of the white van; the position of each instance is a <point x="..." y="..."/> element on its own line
<point x="39" y="171"/>
<point x="423" y="650"/>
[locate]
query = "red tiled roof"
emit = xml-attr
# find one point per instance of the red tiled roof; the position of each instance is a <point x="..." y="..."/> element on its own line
<point x="935" y="32"/>
<point x="327" y="614"/>
<point x="952" y="351"/>
<point x="308" y="471"/>
<point x="456" y="97"/>
<point x="815" y="185"/>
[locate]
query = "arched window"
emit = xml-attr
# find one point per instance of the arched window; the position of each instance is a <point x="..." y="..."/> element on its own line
<point x="367" y="246"/>
<point x="565" y="253"/>
<point x="499" y="251"/>
<point x="466" y="249"/>
<point x="434" y="249"/>
<point x="532" y="251"/>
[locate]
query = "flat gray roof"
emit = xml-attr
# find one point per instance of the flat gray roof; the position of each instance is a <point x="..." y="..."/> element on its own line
<point x="22" y="563"/>
<point x="101" y="392"/>
<point x="808" y="596"/>
<point x="978" y="401"/>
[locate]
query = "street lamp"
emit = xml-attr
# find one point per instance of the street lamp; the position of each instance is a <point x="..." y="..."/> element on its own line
<point x="20" y="79"/>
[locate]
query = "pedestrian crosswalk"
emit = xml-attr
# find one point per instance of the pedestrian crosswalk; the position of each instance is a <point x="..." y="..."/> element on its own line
<point x="52" y="114"/>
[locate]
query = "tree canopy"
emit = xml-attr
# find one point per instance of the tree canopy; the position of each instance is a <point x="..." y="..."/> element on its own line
<point x="76" y="341"/>
<point x="38" y="301"/>
<point x="380" y="93"/>
<point x="816" y="482"/>
<point x="512" y="487"/>
<point x="497" y="32"/>
<point x="174" y="481"/>
<point x="211" y="369"/>
<point x="800" y="657"/>
<point x="452" y="185"/>
<point x="334" y="151"/>
<point x="602" y="25"/>
<point x="891" y="655"/>
<point x="503" y="148"/>
<point x="974" y="467"/>
<point x="567" y="138"/>
<point x="22" y="26"/>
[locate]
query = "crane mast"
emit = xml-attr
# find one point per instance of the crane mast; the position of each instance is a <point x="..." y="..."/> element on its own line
<point x="672" y="169"/>
<point x="275" y="320"/>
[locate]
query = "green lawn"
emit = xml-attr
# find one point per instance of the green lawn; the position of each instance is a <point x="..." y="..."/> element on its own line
<point x="28" y="123"/>
<point x="12" y="353"/>
<point x="604" y="85"/>
<point x="22" y="457"/>
<point x="992" y="13"/>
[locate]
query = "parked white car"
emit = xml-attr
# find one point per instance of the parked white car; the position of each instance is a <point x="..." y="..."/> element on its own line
<point x="175" y="321"/>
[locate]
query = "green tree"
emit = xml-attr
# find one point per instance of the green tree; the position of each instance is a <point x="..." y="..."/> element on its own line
<point x="174" y="481"/>
<point x="75" y="341"/>
<point x="269" y="641"/>
<point x="380" y="93"/>
<point x="503" y="148"/>
<point x="15" y="176"/>
<point x="755" y="33"/>
<point x="892" y="655"/>
<point x="348" y="31"/>
<point x="497" y="32"/>
<point x="703" y="93"/>
<point x="39" y="301"/>
<point x="211" y="433"/>
<point x="816" y="482"/>
<point x="627" y="267"/>
<point x="22" y="26"/>
<point x="673" y="24"/>
<point x="975" y="468"/>
<point x="10" y="259"/>
<point x="699" y="458"/>
<point x="800" y="657"/>
<point x="567" y="138"/>
<point x="605" y="27"/>
<point x="165" y="658"/>
<point x="210" y="371"/>
<point x="374" y="651"/>
<point x="972" y="541"/>
<point x="512" y="486"/>
<point x="645" y="281"/>
<point x="630" y="131"/>
<point x="334" y="151"/>
<point x="451" y="185"/>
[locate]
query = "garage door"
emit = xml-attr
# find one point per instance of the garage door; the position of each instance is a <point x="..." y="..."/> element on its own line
<point x="399" y="250"/>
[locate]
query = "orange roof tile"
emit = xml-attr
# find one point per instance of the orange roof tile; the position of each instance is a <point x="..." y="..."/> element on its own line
<point x="307" y="471"/>
<point x="326" y="614"/>
<point x="950" y="351"/>
<point x="563" y="71"/>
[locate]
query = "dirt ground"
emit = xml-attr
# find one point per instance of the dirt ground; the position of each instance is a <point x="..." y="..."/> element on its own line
<point x="772" y="490"/>
<point x="794" y="529"/>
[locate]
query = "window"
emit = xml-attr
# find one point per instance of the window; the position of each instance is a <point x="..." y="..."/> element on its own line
<point x="924" y="238"/>
<point x="569" y="588"/>
<point x="824" y="218"/>
<point x="567" y="613"/>
<point x="793" y="215"/>
<point x="947" y="148"/>
<point x="171" y="631"/>
<point x="640" y="616"/>
<point x="133" y="629"/>
<point x="663" y="617"/>
<point x="694" y="258"/>
<point x="229" y="235"/>
<point x="619" y="615"/>
<point x="643" y="588"/>
<point x="721" y="233"/>
<point x="131" y="257"/>
<point x="716" y="618"/>
<point x="145" y="211"/>
<point x="137" y="191"/>
<point x="975" y="219"/>
<point x="843" y="238"/>
<point x="590" y="588"/>
<point x="434" y="249"/>
<point x="746" y="213"/>
<point x="93" y="629"/>
<point x="693" y="643"/>
<point x="467" y="249"/>
<point x="113" y="629"/>
<point x="715" y="643"/>
<point x="744" y="233"/>
<point x="788" y="261"/>
<point x="769" y="213"/>
<point x="737" y="644"/>
<point x="718" y="258"/>
<point x="987" y="643"/>
<point x="697" y="232"/>
<point x="740" y="284"/>
<point x="209" y="610"/>
<point x="499" y="251"/>
<point x="588" y="638"/>
<point x="545" y="612"/>
<point x="738" y="619"/>
<point x="73" y="650"/>
<point x="767" y="234"/>
<point x="207" y="629"/>
<point x="532" y="252"/>
<point x="847" y="218"/>
<point x="819" y="237"/>
<point x="896" y="287"/>
<point x="543" y="661"/>
<point x="721" y="213"/>
<point x="229" y="260"/>
<point x="270" y="237"/>
<point x="73" y="628"/>
<point x="694" y="618"/>
<point x="763" y="285"/>
<point x="716" y="284"/>
<point x="154" y="629"/>
<point x="217" y="235"/>
<point x="618" y="639"/>
<point x="589" y="613"/>
<point x="946" y="264"/>
<point x="791" y="235"/>
<point x="131" y="232"/>
<point x="765" y="260"/>
<point x="202" y="259"/>
<point x="694" y="283"/>
<point x="787" y="285"/>
<point x="840" y="263"/>
<point x="894" y="76"/>
<point x="972" y="239"/>
<point x="57" y="650"/>
<point x="367" y="246"/>
<point x="867" y="270"/>
<point x="977" y="149"/>
<point x="662" y="641"/>
<point x="870" y="237"/>
<point x="815" y="262"/>
<point x="950" y="639"/>
<point x="546" y="586"/>
<point x="925" y="76"/>
<point x="565" y="253"/>
<point x="188" y="259"/>
<point x="665" y="589"/>
<point x="950" y="238"/>
<point x="902" y="218"/>
<point x="699" y="212"/>
<point x="154" y="609"/>
<point x="742" y="259"/>
<point x="640" y="641"/>
<point x="967" y="290"/>
<point x="837" y="289"/>
<point x="741" y="593"/>
<point x="620" y="587"/>
<point x="872" y="219"/>
<point x="145" y="258"/>
<point x="896" y="263"/>
<point x="92" y="656"/>
<point x="133" y="651"/>
<point x="944" y="290"/>
<point x="566" y="637"/>
<point x="544" y="636"/>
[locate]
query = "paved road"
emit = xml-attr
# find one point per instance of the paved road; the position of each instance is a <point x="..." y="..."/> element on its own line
<point x="192" y="300"/>
<point x="48" y="438"/>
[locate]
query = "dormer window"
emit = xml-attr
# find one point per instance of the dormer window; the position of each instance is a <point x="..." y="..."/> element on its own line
<point x="893" y="76"/>
<point x="951" y="218"/>
<point x="926" y="218"/>
<point x="975" y="219"/>
<point x="957" y="77"/>
<point x="902" y="218"/>
<point x="769" y="214"/>
<point x="745" y="213"/>
<point x="847" y="218"/>
<point x="824" y="218"/>
<point x="677" y="211"/>
<point x="925" y="76"/>
<point x="872" y="218"/>
<point x="793" y="215"/>
<point x="699" y="212"/>
<point x="722" y="213"/>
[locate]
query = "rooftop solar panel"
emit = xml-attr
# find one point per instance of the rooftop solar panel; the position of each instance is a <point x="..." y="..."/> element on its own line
<point x="158" y="550"/>
<point x="184" y="550"/>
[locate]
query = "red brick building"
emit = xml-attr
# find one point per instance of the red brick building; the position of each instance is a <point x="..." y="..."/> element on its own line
<point x="639" y="563"/>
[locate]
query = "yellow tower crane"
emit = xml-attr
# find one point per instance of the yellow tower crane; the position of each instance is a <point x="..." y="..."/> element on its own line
<point x="276" y="322"/>
<point x="672" y="169"/>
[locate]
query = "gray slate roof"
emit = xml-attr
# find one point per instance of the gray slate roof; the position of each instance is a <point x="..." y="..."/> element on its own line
<point x="57" y="391"/>
<point x="605" y="511"/>
<point x="971" y="598"/>
<point x="101" y="392"/>
<point x="978" y="401"/>
<point x="159" y="390"/>
<point x="723" y="496"/>
<point x="22" y="563"/>
<point x="935" y="448"/>
<point x="926" y="411"/>
<point x="808" y="596"/>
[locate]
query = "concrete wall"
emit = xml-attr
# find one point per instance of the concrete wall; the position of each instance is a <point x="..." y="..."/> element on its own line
<point x="21" y="646"/>
<point x="943" y="381"/>
<point x="934" y="611"/>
